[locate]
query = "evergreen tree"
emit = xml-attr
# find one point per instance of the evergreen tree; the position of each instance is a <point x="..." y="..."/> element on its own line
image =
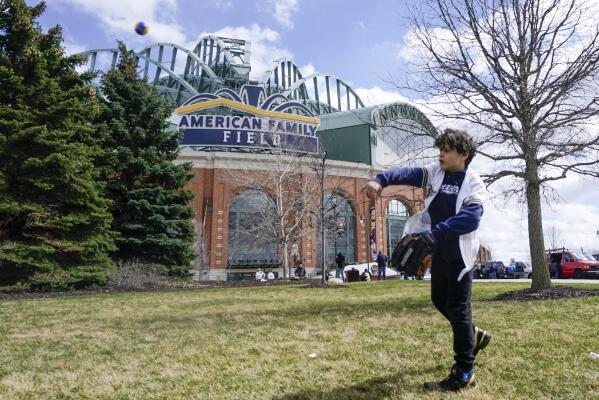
<point x="150" y="207"/>
<point x="54" y="220"/>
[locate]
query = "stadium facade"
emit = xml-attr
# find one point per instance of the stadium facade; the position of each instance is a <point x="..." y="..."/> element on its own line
<point x="234" y="123"/>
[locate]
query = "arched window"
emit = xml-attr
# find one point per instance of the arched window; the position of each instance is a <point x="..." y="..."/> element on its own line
<point x="340" y="230"/>
<point x="250" y="235"/>
<point x="397" y="214"/>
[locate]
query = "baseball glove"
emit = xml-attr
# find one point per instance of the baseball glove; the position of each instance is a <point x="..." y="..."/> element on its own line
<point x="413" y="254"/>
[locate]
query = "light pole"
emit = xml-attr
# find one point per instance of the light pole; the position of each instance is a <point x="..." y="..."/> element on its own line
<point x="334" y="200"/>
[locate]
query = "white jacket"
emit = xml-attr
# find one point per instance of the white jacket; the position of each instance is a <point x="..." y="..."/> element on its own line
<point x="472" y="191"/>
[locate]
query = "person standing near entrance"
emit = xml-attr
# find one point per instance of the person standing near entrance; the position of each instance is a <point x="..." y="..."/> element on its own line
<point x="452" y="210"/>
<point x="340" y="260"/>
<point x="381" y="260"/>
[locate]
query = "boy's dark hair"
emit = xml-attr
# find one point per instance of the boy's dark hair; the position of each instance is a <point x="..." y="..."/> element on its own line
<point x="460" y="141"/>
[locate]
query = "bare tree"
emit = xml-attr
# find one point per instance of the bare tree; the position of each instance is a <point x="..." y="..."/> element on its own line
<point x="554" y="237"/>
<point x="284" y="189"/>
<point x="525" y="72"/>
<point x="323" y="206"/>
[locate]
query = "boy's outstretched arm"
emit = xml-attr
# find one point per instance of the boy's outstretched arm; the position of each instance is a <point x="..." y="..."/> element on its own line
<point x="403" y="176"/>
<point x="396" y="176"/>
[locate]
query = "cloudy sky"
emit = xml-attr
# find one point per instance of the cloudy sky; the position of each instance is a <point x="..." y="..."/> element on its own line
<point x="365" y="46"/>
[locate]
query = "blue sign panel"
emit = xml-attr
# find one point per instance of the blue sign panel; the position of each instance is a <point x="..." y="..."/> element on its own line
<point x="266" y="122"/>
<point x="246" y="138"/>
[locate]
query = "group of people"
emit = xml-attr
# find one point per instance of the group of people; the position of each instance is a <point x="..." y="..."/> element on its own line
<point x="263" y="276"/>
<point x="381" y="260"/>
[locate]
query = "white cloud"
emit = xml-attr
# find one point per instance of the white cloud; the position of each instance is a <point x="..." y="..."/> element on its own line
<point x="376" y="95"/>
<point x="118" y="18"/>
<point x="265" y="45"/>
<point x="72" y="47"/>
<point x="308" y="70"/>
<point x="283" y="11"/>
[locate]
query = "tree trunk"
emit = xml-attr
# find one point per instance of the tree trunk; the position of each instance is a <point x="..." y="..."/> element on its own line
<point x="324" y="256"/>
<point x="322" y="243"/>
<point x="286" y="268"/>
<point x="540" y="272"/>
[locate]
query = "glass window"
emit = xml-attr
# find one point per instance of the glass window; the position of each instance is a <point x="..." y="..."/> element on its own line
<point x="250" y="234"/>
<point x="397" y="214"/>
<point x="397" y="208"/>
<point x="581" y="256"/>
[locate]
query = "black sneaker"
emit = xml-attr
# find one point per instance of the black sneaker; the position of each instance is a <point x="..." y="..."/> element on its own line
<point x="456" y="381"/>
<point x="481" y="340"/>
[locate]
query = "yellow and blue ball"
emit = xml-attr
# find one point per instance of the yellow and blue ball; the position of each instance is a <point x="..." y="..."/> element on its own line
<point x="141" y="28"/>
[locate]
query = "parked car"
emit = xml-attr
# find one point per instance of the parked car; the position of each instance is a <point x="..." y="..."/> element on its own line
<point x="566" y="263"/>
<point x="520" y="269"/>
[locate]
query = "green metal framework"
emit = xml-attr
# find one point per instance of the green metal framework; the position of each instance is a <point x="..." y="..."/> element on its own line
<point x="216" y="63"/>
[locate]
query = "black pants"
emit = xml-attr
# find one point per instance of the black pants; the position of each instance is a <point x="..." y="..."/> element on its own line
<point x="452" y="299"/>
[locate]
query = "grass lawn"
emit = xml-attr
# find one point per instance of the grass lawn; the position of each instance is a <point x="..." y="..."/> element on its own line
<point x="375" y="340"/>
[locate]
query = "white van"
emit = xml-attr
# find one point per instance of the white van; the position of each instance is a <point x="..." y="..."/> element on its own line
<point x="520" y="269"/>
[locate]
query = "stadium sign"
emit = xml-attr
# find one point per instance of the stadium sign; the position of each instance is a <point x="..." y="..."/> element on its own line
<point x="252" y="120"/>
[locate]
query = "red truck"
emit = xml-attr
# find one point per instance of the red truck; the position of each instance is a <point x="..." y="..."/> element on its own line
<point x="565" y="263"/>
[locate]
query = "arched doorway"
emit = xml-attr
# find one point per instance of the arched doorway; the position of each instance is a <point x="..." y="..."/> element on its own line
<point x="340" y="230"/>
<point x="250" y="236"/>
<point x="397" y="214"/>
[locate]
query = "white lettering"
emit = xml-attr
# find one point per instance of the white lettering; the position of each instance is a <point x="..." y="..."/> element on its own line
<point x="238" y="137"/>
<point x="226" y="136"/>
<point x="250" y="138"/>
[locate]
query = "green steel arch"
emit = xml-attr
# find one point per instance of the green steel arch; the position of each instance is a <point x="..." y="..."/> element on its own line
<point x="174" y="85"/>
<point x="194" y="64"/>
<point x="282" y="74"/>
<point x="382" y="114"/>
<point x="307" y="89"/>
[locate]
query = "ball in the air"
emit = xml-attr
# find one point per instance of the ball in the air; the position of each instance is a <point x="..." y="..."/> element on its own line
<point x="141" y="28"/>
